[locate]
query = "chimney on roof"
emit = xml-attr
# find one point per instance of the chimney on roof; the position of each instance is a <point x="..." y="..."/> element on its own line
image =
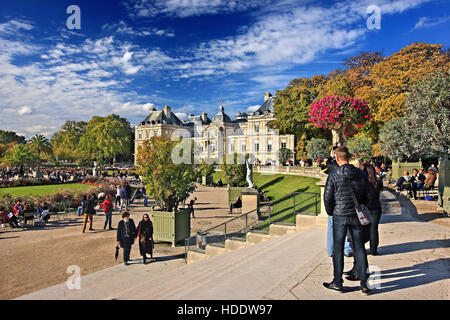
<point x="204" y="116"/>
<point x="167" y="111"/>
<point x="267" y="95"/>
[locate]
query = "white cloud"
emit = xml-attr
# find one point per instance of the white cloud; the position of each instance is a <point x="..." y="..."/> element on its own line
<point x="123" y="28"/>
<point x="426" y="22"/>
<point x="24" y="110"/>
<point x="253" y="108"/>
<point x="188" y="8"/>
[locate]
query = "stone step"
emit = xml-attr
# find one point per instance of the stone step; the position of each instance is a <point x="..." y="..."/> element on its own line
<point x="279" y="229"/>
<point x="304" y="221"/>
<point x="196" y="255"/>
<point x="235" y="243"/>
<point x="256" y="237"/>
<point x="237" y="274"/>
<point x="214" y="249"/>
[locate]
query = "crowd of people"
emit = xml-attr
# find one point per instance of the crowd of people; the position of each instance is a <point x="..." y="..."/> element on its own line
<point x="417" y="181"/>
<point x="59" y="174"/>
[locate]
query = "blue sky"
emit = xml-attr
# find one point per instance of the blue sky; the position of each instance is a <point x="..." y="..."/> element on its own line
<point x="130" y="55"/>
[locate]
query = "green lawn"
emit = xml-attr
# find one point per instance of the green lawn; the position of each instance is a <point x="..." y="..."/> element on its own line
<point x="42" y="190"/>
<point x="277" y="186"/>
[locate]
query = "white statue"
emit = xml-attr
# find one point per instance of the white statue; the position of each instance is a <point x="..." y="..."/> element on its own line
<point x="249" y="178"/>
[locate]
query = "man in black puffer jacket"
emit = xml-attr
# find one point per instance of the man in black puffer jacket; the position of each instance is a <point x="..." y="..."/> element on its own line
<point x="339" y="204"/>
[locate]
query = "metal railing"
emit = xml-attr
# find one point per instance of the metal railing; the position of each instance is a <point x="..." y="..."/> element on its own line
<point x="281" y="210"/>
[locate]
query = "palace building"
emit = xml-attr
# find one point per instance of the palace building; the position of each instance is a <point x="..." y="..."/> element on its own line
<point x="247" y="133"/>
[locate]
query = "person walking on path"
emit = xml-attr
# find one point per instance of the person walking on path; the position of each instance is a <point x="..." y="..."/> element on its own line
<point x="341" y="184"/>
<point x="128" y="190"/>
<point x="108" y="209"/>
<point x="126" y="231"/>
<point x="89" y="211"/>
<point x="123" y="199"/>
<point x="145" y="236"/>
<point x="117" y="203"/>
<point x="191" y="206"/>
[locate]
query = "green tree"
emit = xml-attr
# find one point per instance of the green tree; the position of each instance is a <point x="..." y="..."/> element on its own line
<point x="428" y="115"/>
<point x="360" y="145"/>
<point x="19" y="156"/>
<point x="7" y="137"/>
<point x="395" y="140"/>
<point x="283" y="155"/>
<point x="318" y="148"/>
<point x="166" y="182"/>
<point x="66" y="140"/>
<point x="235" y="173"/>
<point x="106" y="138"/>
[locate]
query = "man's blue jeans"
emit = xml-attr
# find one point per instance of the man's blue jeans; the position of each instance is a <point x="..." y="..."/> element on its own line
<point x="342" y="224"/>
<point x="347" y="247"/>
<point x="80" y="211"/>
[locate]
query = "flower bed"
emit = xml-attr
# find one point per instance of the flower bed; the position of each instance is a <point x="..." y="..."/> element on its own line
<point x="26" y="182"/>
<point x="56" y="201"/>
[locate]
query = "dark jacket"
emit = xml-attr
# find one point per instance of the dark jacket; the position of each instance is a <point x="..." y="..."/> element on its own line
<point x="374" y="196"/>
<point x="121" y="231"/>
<point x="337" y="195"/>
<point x="128" y="190"/>
<point x="89" y="207"/>
<point x="145" y="230"/>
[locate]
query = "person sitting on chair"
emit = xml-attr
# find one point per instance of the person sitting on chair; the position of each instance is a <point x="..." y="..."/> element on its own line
<point x="430" y="179"/>
<point x="237" y="204"/>
<point x="405" y="179"/>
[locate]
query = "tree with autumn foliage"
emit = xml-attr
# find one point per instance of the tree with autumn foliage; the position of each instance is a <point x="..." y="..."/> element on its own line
<point x="292" y="107"/>
<point x="166" y="182"/>
<point x="343" y="116"/>
<point x="390" y="80"/>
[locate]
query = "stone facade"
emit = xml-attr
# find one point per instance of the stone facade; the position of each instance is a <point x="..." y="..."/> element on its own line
<point x="247" y="133"/>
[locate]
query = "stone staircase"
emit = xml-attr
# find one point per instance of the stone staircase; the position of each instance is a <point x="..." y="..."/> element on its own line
<point x="303" y="222"/>
<point x="251" y="272"/>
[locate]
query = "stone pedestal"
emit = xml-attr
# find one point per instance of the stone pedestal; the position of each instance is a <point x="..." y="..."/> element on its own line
<point x="250" y="200"/>
<point x="322" y="217"/>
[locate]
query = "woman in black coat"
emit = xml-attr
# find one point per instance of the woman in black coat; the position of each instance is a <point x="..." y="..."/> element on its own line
<point x="144" y="232"/>
<point x="374" y="205"/>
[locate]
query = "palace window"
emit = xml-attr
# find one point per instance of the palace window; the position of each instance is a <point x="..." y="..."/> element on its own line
<point x="243" y="148"/>
<point x="283" y="144"/>
<point x="269" y="146"/>
<point x="256" y="128"/>
<point x="139" y="135"/>
<point x="256" y="146"/>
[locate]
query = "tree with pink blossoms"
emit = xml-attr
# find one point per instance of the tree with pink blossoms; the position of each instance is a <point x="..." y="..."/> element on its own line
<point x="343" y="116"/>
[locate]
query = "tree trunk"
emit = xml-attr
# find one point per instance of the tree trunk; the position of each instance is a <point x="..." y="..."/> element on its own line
<point x="338" y="136"/>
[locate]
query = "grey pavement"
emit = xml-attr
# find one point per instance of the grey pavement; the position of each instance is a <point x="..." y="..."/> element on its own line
<point x="414" y="263"/>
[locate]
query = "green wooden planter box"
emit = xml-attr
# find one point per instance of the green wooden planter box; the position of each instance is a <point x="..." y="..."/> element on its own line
<point x="399" y="167"/>
<point x="444" y="184"/>
<point x="234" y="192"/>
<point x="170" y="226"/>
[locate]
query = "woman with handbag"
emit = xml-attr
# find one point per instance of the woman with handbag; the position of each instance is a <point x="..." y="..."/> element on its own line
<point x="145" y="235"/>
<point x="374" y="205"/>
